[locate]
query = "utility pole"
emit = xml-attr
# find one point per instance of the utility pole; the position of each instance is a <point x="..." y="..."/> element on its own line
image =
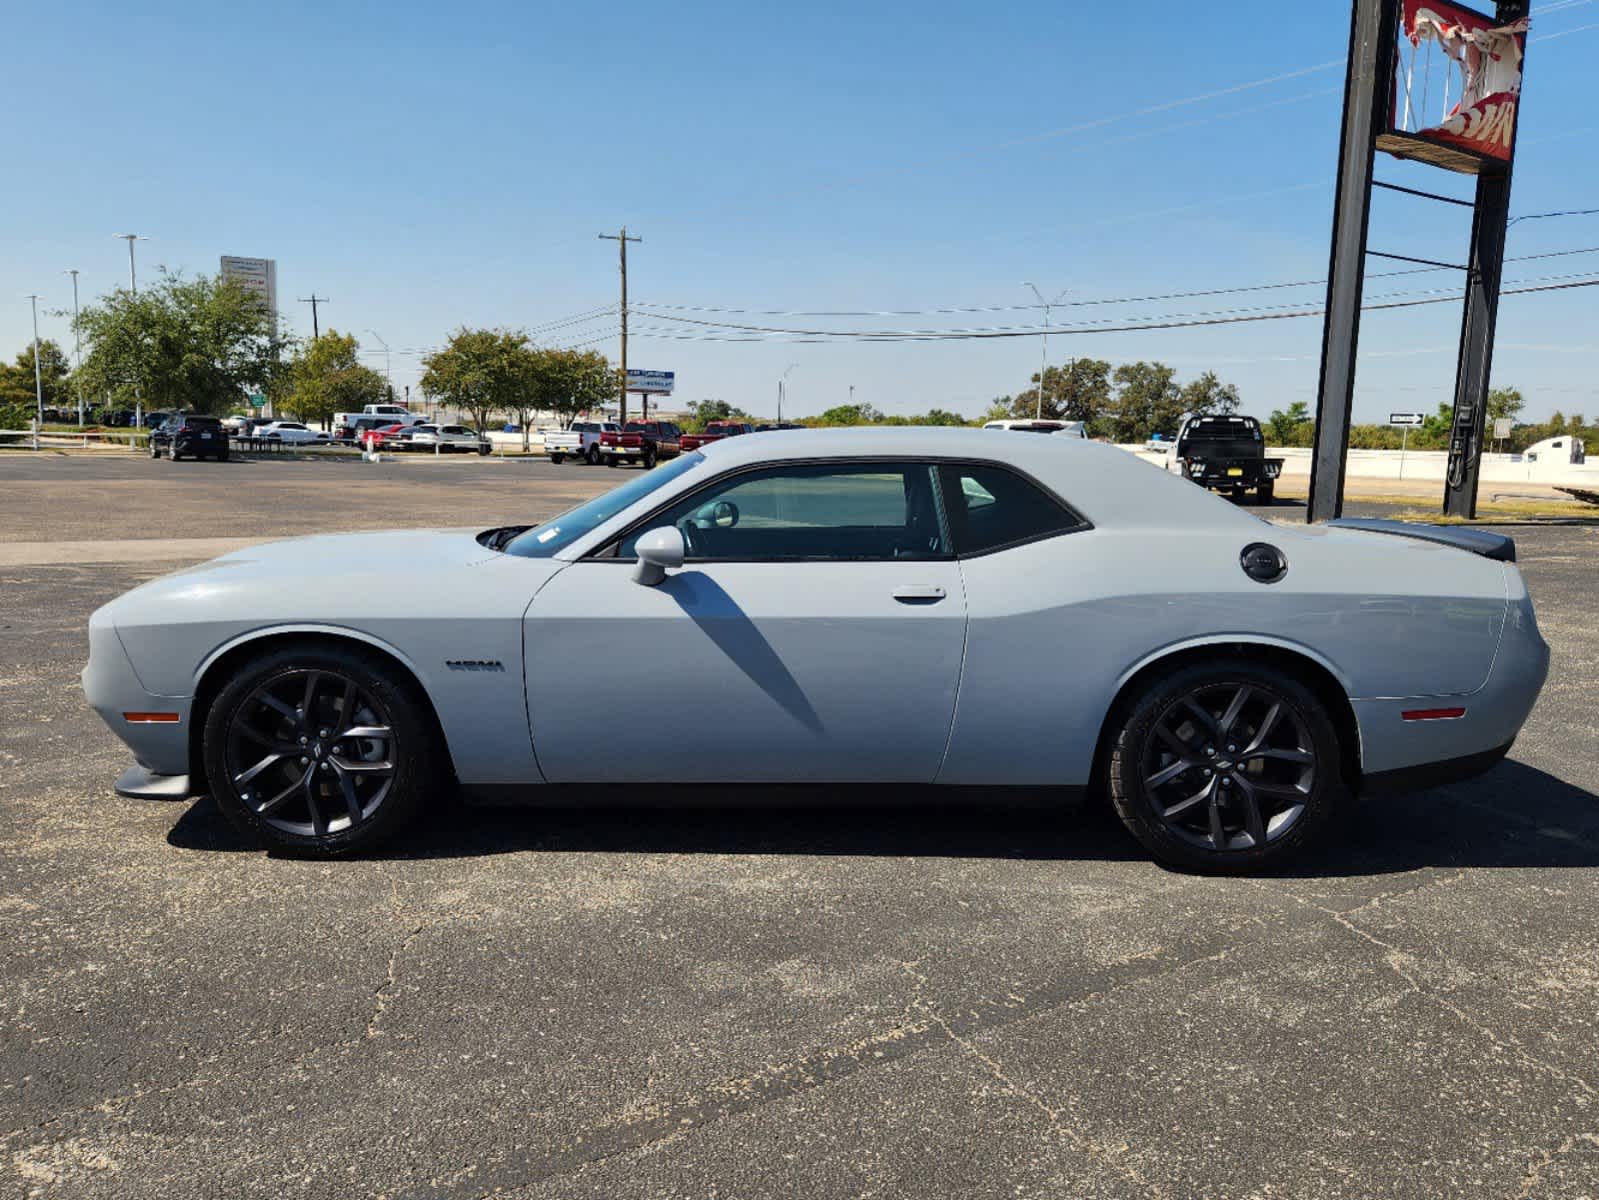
<point x="77" y="345"/>
<point x="130" y="238"/>
<point x="38" y="378"/>
<point x="621" y="239"/>
<point x="1038" y="413"/>
<point x="782" y="390"/>
<point x="313" y="300"/>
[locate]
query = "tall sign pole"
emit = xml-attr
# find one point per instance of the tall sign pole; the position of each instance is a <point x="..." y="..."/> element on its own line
<point x="1373" y="34"/>
<point x="621" y="239"/>
<point x="77" y="344"/>
<point x="38" y="377"/>
<point x="1472" y="374"/>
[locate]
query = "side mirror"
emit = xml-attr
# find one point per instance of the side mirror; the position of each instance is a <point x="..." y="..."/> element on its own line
<point x="659" y="551"/>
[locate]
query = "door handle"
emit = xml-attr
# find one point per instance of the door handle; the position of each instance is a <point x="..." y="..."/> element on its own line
<point x="919" y="595"/>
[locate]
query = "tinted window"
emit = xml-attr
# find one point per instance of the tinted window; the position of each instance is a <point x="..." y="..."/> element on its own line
<point x="989" y="507"/>
<point x="544" y="540"/>
<point x="836" y="511"/>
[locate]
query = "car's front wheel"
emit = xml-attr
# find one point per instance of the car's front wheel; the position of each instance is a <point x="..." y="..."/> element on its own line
<point x="1226" y="766"/>
<point x="320" y="750"/>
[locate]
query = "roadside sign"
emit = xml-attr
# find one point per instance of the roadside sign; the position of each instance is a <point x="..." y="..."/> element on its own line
<point x="1502" y="428"/>
<point x="257" y="276"/>
<point x="1406" y="419"/>
<point x="257" y="400"/>
<point x="652" y="383"/>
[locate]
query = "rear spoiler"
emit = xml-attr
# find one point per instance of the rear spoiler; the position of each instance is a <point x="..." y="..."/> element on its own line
<point x="1478" y="541"/>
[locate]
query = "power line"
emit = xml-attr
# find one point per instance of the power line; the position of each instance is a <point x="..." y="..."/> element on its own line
<point x="804" y="337"/>
<point x="987" y="308"/>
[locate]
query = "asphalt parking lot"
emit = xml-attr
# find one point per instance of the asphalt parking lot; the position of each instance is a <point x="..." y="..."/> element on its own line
<point x="757" y="1000"/>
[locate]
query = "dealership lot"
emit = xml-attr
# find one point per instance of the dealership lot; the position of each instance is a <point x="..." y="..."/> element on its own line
<point x="756" y="1000"/>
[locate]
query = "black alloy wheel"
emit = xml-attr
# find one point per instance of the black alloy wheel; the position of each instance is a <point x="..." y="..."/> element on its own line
<point x="1226" y="766"/>
<point x="319" y="750"/>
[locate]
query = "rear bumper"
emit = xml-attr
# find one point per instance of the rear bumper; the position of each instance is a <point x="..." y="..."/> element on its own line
<point x="1431" y="775"/>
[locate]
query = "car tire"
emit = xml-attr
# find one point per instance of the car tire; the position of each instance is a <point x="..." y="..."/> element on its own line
<point x="222" y="456"/>
<point x="557" y="458"/>
<point x="592" y="456"/>
<point x="310" y="802"/>
<point x="1263" y="775"/>
<point x="483" y="449"/>
<point x="648" y="458"/>
<point x="172" y="453"/>
<point x="1265" y="493"/>
<point x="612" y="460"/>
<point x="155" y="451"/>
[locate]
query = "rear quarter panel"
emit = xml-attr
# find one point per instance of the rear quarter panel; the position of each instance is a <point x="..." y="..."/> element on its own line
<point x="1058" y="626"/>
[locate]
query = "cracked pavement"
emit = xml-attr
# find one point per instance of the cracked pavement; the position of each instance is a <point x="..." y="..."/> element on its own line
<point x="758" y="1001"/>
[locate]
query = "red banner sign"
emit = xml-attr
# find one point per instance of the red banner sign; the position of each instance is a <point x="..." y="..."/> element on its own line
<point x="1487" y="58"/>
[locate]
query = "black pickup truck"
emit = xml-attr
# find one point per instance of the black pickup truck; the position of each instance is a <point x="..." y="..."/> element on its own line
<point x="1227" y="454"/>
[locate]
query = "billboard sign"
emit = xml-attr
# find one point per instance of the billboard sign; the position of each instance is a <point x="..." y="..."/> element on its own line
<point x="258" y="276"/>
<point x="1406" y="419"/>
<point x="1456" y="86"/>
<point x="652" y="383"/>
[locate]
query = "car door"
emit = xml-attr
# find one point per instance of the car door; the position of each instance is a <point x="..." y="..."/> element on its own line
<point x="814" y="633"/>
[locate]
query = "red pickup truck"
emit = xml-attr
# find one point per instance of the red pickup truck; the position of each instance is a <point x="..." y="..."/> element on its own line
<point x="715" y="431"/>
<point x="642" y="442"/>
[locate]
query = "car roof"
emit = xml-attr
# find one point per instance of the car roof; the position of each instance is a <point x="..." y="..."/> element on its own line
<point x="1110" y="486"/>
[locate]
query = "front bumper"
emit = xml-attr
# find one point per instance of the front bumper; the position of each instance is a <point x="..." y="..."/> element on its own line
<point x="141" y="783"/>
<point x="113" y="690"/>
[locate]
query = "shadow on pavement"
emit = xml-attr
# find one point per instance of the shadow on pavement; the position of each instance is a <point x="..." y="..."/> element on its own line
<point x="1515" y="816"/>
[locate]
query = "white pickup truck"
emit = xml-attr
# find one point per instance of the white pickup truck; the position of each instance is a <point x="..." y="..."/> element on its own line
<point x="374" y="416"/>
<point x="581" y="441"/>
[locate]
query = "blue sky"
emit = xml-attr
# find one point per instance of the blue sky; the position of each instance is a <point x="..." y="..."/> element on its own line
<point x="428" y="166"/>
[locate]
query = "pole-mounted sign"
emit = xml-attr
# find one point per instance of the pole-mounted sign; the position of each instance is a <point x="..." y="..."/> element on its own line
<point x="651" y="383"/>
<point x="1407" y="419"/>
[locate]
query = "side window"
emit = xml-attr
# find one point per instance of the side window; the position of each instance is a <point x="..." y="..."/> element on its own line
<point x="833" y="511"/>
<point x="990" y="507"/>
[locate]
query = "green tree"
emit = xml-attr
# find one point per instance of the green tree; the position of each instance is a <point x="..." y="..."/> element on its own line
<point x="327" y="376"/>
<point x="1147" y="401"/>
<point x="1504" y="403"/>
<point x="191" y="344"/>
<point x="16" y="382"/>
<point x="480" y="372"/>
<point x="1209" y="396"/>
<point x="1282" y="427"/>
<point x="565" y="382"/>
<point x="702" y="412"/>
<point x="1079" y="391"/>
<point x="848" y="414"/>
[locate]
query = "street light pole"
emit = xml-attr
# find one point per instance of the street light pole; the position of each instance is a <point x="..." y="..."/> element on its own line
<point x="782" y="390"/>
<point x="77" y="344"/>
<point x="1044" y="358"/>
<point x="38" y="377"/>
<point x="133" y="278"/>
<point x="387" y="372"/>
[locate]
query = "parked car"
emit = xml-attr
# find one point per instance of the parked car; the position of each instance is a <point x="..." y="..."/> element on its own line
<point x="581" y="441"/>
<point x="375" y="414"/>
<point x="1226" y="454"/>
<point x="190" y="436"/>
<point x="448" y="438"/>
<point x="643" y="442"/>
<point x="386" y="437"/>
<point x="714" y="431"/>
<point x="296" y="432"/>
<point x="880" y="606"/>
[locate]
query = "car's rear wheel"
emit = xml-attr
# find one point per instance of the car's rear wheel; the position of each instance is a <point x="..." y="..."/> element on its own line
<point x="1225" y="766"/>
<point x="612" y="460"/>
<point x="557" y="459"/>
<point x="1265" y="492"/>
<point x="649" y="458"/>
<point x="592" y="457"/>
<point x="320" y="750"/>
<point x="172" y="452"/>
<point x="155" y="451"/>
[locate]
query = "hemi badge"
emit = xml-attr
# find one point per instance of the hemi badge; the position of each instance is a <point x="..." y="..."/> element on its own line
<point x="474" y="664"/>
<point x="150" y="718"/>
<point x="1433" y="714"/>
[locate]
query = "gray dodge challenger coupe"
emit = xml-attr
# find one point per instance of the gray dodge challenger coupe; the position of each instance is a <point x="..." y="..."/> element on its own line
<point x="903" y="605"/>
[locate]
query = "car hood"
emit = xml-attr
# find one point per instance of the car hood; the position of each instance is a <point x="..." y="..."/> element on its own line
<point x="390" y="588"/>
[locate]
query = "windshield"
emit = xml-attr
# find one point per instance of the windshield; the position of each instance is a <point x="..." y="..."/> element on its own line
<point x="543" y="541"/>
